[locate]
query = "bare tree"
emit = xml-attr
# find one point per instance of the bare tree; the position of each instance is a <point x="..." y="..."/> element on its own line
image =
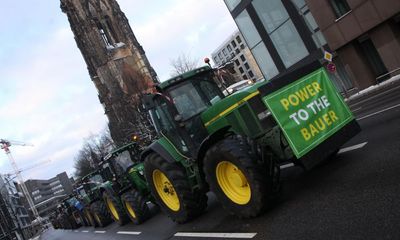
<point x="182" y="64"/>
<point x="93" y="151"/>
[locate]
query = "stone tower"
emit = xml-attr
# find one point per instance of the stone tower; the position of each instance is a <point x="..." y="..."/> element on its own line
<point x="116" y="62"/>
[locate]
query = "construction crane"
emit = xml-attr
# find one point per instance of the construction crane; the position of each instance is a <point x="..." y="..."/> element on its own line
<point x="6" y="144"/>
<point x="29" y="167"/>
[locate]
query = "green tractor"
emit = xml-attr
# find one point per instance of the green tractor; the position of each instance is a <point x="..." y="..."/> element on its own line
<point x="65" y="216"/>
<point x="130" y="193"/>
<point x="232" y="145"/>
<point x="90" y="192"/>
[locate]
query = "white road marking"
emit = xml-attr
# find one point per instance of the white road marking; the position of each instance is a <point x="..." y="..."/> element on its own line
<point x="287" y="165"/>
<point x="351" y="148"/>
<point x="99" y="231"/>
<point x="357" y="109"/>
<point x="215" y="235"/>
<point x="76" y="231"/>
<point x="85" y="231"/>
<point x="129" y="233"/>
<point x="381" y="111"/>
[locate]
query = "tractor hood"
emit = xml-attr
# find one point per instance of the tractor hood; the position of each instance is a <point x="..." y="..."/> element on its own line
<point x="229" y="103"/>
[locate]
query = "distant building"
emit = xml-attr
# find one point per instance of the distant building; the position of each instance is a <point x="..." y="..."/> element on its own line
<point x="234" y="50"/>
<point x="364" y="34"/>
<point x="46" y="194"/>
<point x="14" y="218"/>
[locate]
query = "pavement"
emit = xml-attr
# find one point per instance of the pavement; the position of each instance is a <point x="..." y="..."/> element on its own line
<point x="374" y="90"/>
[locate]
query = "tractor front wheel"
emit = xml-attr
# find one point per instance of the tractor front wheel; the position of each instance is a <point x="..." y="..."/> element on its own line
<point x="240" y="183"/>
<point x="136" y="207"/>
<point x="170" y="187"/>
<point x="100" y="213"/>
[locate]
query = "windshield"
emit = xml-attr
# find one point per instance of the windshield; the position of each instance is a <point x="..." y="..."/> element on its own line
<point x="96" y="179"/>
<point x="123" y="161"/>
<point x="194" y="96"/>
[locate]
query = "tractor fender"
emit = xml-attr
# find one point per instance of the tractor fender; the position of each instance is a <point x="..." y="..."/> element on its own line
<point x="156" y="147"/>
<point x="211" y="140"/>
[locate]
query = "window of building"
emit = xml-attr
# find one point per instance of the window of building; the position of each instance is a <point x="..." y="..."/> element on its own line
<point x="233" y="43"/>
<point x="215" y="59"/>
<point x="35" y="192"/>
<point x="264" y="60"/>
<point x="238" y="39"/>
<point x="281" y="30"/>
<point x="340" y="7"/>
<point x="237" y="62"/>
<point x="232" y="55"/>
<point x="229" y="48"/>
<point x="241" y="70"/>
<point x="244" y="76"/>
<point x="371" y="54"/>
<point x="220" y="55"/>
<point x="242" y="58"/>
<point x="237" y="51"/>
<point x="251" y="74"/>
<point x="246" y="65"/>
<point x="232" y="4"/>
<point x="224" y="52"/>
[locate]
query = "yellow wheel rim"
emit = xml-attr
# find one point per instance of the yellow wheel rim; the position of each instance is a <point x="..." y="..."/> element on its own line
<point x="112" y="208"/>
<point x="233" y="182"/>
<point x="90" y="219"/>
<point x="166" y="190"/>
<point x="130" y="210"/>
<point x="97" y="218"/>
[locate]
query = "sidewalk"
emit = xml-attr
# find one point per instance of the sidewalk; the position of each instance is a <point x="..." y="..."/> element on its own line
<point x="391" y="83"/>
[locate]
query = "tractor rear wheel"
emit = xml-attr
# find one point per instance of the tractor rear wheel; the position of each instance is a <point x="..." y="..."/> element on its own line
<point x="240" y="183"/>
<point x="115" y="208"/>
<point x="135" y="206"/>
<point x="170" y="187"/>
<point x="100" y="213"/>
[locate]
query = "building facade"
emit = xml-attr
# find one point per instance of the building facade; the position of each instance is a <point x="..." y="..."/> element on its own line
<point x="234" y="50"/>
<point x="14" y="216"/>
<point x="364" y="34"/>
<point x="46" y="194"/>
<point x="116" y="62"/>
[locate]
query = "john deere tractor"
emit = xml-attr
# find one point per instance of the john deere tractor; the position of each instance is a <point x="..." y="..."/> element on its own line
<point x="90" y="192"/>
<point x="234" y="145"/>
<point x="130" y="192"/>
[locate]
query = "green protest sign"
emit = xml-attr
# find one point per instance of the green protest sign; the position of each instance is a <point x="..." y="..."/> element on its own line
<point x="309" y="111"/>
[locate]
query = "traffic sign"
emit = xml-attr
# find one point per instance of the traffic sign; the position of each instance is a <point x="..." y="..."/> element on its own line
<point x="331" y="67"/>
<point x="328" y="56"/>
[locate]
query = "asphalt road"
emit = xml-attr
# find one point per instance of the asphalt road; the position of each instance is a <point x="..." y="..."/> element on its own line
<point x="356" y="195"/>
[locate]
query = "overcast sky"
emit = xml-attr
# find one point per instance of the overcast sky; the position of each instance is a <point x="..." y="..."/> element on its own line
<point x="46" y="96"/>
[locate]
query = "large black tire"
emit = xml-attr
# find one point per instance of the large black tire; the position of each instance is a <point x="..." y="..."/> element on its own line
<point x="242" y="185"/>
<point x="90" y="218"/>
<point x="135" y="206"/>
<point x="115" y="209"/>
<point x="186" y="204"/>
<point x="100" y="213"/>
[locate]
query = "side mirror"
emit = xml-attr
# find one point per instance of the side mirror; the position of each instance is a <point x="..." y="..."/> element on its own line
<point x="178" y="118"/>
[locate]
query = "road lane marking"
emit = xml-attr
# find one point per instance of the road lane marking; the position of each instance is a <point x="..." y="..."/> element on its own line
<point x="76" y="231"/>
<point x="381" y="111"/>
<point x="129" y="233"/>
<point x="287" y="166"/>
<point x="85" y="231"/>
<point x="215" y="235"/>
<point x="351" y="148"/>
<point x="99" y="231"/>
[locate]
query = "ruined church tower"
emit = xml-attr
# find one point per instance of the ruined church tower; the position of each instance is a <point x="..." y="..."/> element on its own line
<point x="116" y="62"/>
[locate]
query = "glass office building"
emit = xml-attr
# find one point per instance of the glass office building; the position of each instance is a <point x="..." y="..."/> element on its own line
<point x="282" y="34"/>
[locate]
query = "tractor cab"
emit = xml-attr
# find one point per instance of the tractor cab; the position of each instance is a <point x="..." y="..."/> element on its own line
<point x="176" y="108"/>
